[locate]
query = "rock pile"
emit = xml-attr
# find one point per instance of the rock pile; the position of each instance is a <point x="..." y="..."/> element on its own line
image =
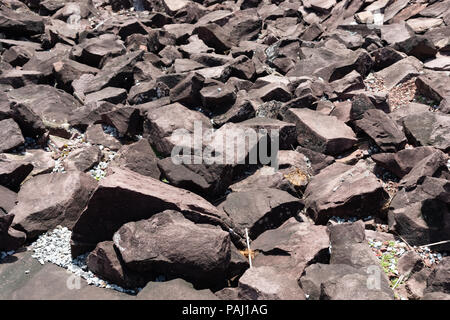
<point x="349" y="97"/>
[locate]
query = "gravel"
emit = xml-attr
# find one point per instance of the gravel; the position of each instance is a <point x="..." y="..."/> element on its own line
<point x="54" y="247"/>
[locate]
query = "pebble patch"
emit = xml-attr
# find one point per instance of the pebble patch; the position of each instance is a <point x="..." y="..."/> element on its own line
<point x="54" y="247"/>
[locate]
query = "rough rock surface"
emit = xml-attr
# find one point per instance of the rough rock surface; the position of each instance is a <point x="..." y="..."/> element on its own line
<point x="320" y="126"/>
<point x="174" y="246"/>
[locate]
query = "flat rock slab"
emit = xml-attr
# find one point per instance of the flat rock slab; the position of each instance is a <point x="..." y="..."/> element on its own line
<point x="428" y="129"/>
<point x="24" y="278"/>
<point x="266" y="283"/>
<point x="176" y="289"/>
<point x="52" y="199"/>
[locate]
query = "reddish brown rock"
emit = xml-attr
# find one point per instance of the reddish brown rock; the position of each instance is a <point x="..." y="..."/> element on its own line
<point x="143" y="197"/>
<point x="49" y="200"/>
<point x="260" y="210"/>
<point x="105" y="262"/>
<point x="342" y="190"/>
<point x="172" y="245"/>
<point x="321" y="133"/>
<point x="384" y="131"/>
<point x="266" y="283"/>
<point x="12" y="134"/>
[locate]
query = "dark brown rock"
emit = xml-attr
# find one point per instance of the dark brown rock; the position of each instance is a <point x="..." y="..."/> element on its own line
<point x="172" y="245"/>
<point x="402" y="162"/>
<point x="143" y="197"/>
<point x="49" y="200"/>
<point x="384" y="131"/>
<point x="105" y="262"/>
<point x="343" y="190"/>
<point x="421" y="216"/>
<point x="266" y="283"/>
<point x="176" y="289"/>
<point x="138" y="157"/>
<point x="12" y="134"/>
<point x="321" y="133"/>
<point x="260" y="210"/>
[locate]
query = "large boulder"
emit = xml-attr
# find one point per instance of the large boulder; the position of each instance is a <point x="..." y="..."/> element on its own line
<point x="342" y="190"/>
<point x="42" y="103"/>
<point x="260" y="209"/>
<point x="174" y="246"/>
<point x="267" y="283"/>
<point x="383" y="130"/>
<point x="125" y="196"/>
<point x="320" y="132"/>
<point x="292" y="246"/>
<point x="48" y="200"/>
<point x="428" y="129"/>
<point x="421" y="216"/>
<point x="10" y="129"/>
<point x="106" y="262"/>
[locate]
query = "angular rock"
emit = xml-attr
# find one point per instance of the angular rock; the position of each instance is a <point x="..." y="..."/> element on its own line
<point x="321" y="133"/>
<point x="438" y="281"/>
<point x="428" y="129"/>
<point x="260" y="210"/>
<point x="208" y="180"/>
<point x="292" y="246"/>
<point x="421" y="216"/>
<point x="108" y="94"/>
<point x="147" y="91"/>
<point x="217" y="98"/>
<point x="384" y="131"/>
<point x="34" y="106"/>
<point x="432" y="165"/>
<point x="96" y="135"/>
<point x="13" y="173"/>
<point x="433" y="86"/>
<point x="344" y="191"/>
<point x="95" y="51"/>
<point x="172" y="245"/>
<point x="117" y="72"/>
<point x="20" y="22"/>
<point x="105" y="262"/>
<point x="266" y="283"/>
<point x="12" y="134"/>
<point x="127" y="120"/>
<point x="160" y="126"/>
<point x="82" y="159"/>
<point x="49" y="200"/>
<point x="138" y="157"/>
<point x="176" y="289"/>
<point x="399" y="72"/>
<point x="187" y="91"/>
<point x="143" y="197"/>
<point x="403" y="161"/>
<point x="318" y="273"/>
